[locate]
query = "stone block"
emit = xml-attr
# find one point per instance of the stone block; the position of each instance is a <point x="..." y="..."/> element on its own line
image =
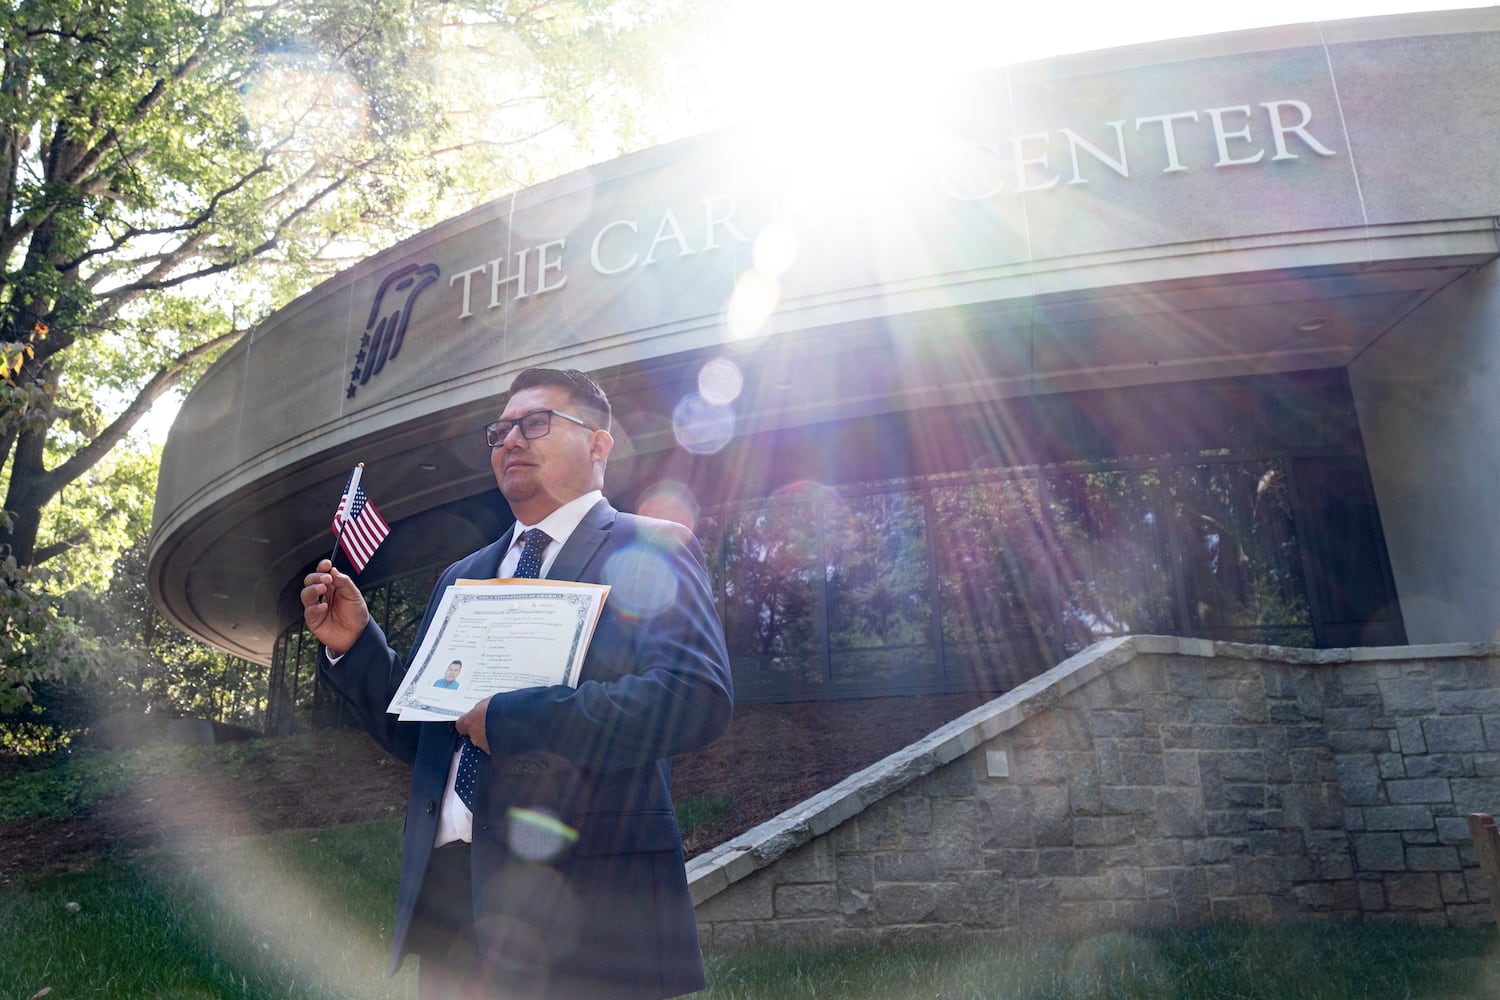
<point x="1180" y="767"/>
<point x="909" y="902"/>
<point x="878" y="828"/>
<point x="1390" y="765"/>
<point x="1305" y="737"/>
<point x="1125" y="883"/>
<point x="955" y="779"/>
<point x="1056" y="862"/>
<point x="1142" y="769"/>
<point x="1084" y="796"/>
<point x="805" y="900"/>
<point x="1243" y="797"/>
<point x="1186" y="736"/>
<point x="1036" y="767"/>
<point x="984" y="899"/>
<point x="1407" y="695"/>
<point x="1092" y="831"/>
<point x="1415" y="790"/>
<point x="1475" y="795"/>
<point x="1159" y="853"/>
<point x="1455" y="887"/>
<point x="1128" y="800"/>
<point x="747" y="899"/>
<point x="1412" y="817"/>
<point x="727" y="936"/>
<point x="1220" y="881"/>
<point x="1190" y="895"/>
<point x="1112" y="723"/>
<point x="1084" y="888"/>
<point x="1247" y="766"/>
<point x="795" y="933"/>
<point x="1454" y="734"/>
<point x="1372" y="896"/>
<point x="1242" y="706"/>
<point x="1225" y="823"/>
<point x="1413" y="892"/>
<point x="956" y="834"/>
<point x="1378" y="852"/>
<point x="1349" y="718"/>
<point x="1013" y="864"/>
<point x="1311" y="764"/>
<point x="1432" y="859"/>
<point x="1361" y="740"/>
<point x="1313" y="805"/>
<point x="1485" y="701"/>
<point x="813" y="862"/>
<point x="1316" y="897"/>
<point x="903" y="866"/>
<point x="1179" y="812"/>
<point x="1359" y="779"/>
<point x="1049" y="817"/>
<point x="1444" y="765"/>
<point x="916" y="816"/>
<point x="1453" y="830"/>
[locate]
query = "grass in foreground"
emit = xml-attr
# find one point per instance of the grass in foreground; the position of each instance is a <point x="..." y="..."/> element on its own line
<point x="294" y="915"/>
<point x="307" y="915"/>
<point x="1309" y="961"/>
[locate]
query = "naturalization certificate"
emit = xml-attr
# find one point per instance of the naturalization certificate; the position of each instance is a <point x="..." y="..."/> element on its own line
<point x="492" y="636"/>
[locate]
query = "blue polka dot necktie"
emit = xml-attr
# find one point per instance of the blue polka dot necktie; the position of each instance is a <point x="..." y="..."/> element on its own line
<point x="533" y="544"/>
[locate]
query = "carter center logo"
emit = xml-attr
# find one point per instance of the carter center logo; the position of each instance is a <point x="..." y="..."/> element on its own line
<point x="389" y="314"/>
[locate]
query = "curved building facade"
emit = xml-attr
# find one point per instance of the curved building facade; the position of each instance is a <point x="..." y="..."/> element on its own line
<point x="1196" y="337"/>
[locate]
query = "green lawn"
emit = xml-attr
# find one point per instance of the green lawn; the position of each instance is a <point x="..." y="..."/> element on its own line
<point x="307" y="915"/>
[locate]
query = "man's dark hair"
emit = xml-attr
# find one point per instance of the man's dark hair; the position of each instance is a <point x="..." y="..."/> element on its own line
<point x="583" y="391"/>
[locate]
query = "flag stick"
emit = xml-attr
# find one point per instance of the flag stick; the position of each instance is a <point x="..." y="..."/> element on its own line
<point x="345" y="506"/>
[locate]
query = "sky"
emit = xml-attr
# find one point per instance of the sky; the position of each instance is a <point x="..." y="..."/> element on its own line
<point x="776" y="53"/>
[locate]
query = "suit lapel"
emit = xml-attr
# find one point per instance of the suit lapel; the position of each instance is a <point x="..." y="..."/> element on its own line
<point x="584" y="543"/>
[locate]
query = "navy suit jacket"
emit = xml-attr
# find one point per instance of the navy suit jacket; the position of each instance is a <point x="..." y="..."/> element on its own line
<point x="577" y="859"/>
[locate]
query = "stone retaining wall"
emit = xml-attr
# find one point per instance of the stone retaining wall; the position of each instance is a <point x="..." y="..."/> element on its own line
<point x="1147" y="780"/>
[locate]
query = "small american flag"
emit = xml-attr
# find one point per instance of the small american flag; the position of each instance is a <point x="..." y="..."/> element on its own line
<point x="361" y="531"/>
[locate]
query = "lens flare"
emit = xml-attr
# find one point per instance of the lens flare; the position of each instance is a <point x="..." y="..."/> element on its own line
<point x="670" y="501"/>
<point x="641" y="582"/>
<point x="537" y="835"/>
<point x="720" y="381"/>
<point x="756" y="296"/>
<point x="702" y="427"/>
<point x="775" y="249"/>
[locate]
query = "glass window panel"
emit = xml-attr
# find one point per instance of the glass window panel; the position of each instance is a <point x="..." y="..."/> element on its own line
<point x="1112" y="556"/>
<point x="1242" y="572"/>
<point x="771" y="594"/>
<point x="304" y="675"/>
<point x="876" y="566"/>
<point x="877" y="574"/>
<point x="995" y="582"/>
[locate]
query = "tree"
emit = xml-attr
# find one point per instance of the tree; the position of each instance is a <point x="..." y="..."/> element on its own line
<point x="171" y="170"/>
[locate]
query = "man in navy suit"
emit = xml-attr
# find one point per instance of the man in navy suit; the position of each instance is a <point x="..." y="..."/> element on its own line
<point x="564" y="876"/>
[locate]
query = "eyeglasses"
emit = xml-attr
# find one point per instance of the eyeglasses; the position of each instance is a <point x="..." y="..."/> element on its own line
<point x="536" y="424"/>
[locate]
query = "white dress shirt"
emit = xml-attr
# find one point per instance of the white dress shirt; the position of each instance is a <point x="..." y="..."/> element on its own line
<point x="455" y="821"/>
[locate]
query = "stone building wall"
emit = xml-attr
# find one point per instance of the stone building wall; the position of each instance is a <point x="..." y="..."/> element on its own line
<point x="1147" y="780"/>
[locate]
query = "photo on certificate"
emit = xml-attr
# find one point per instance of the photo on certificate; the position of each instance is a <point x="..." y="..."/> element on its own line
<point x="492" y="637"/>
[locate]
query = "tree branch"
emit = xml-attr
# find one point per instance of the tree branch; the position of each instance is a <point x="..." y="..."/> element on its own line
<point x="159" y="385"/>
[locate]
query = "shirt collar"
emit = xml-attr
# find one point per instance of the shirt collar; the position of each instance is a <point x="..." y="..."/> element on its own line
<point x="562" y="522"/>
